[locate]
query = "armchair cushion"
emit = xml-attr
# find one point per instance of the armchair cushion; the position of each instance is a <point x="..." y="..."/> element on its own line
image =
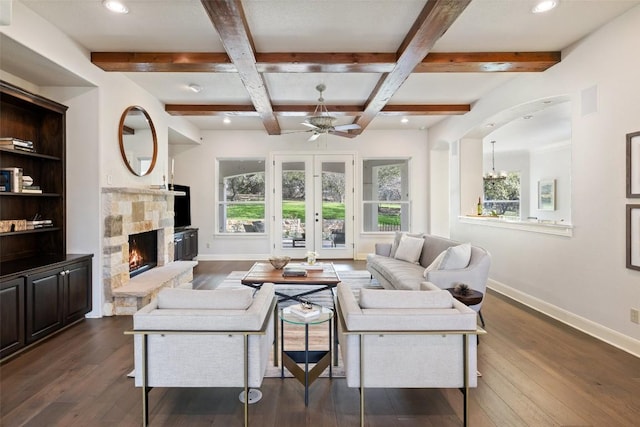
<point x="217" y="299"/>
<point x="383" y="298"/>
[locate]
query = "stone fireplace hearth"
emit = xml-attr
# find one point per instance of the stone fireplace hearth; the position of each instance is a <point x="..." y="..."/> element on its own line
<point x="129" y="211"/>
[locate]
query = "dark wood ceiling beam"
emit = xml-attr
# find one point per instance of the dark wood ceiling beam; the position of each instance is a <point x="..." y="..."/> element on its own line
<point x="441" y="62"/>
<point x="305" y="110"/>
<point x="483" y="62"/>
<point x="230" y="23"/>
<point x="323" y="62"/>
<point x="434" y="20"/>
<point x="176" y="62"/>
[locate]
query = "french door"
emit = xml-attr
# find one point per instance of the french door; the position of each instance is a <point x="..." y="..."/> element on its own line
<point x="313" y="205"/>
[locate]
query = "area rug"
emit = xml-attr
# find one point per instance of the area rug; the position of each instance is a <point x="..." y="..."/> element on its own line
<point x="318" y="334"/>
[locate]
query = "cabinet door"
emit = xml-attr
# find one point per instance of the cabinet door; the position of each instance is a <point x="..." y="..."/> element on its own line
<point x="44" y="304"/>
<point x="193" y="244"/>
<point x="77" y="291"/>
<point x="11" y="316"/>
<point x="178" y="246"/>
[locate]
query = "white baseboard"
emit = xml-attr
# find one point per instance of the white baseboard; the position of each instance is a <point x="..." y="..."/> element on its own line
<point x="616" y="339"/>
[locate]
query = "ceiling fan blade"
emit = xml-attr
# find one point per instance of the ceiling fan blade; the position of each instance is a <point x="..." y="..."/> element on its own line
<point x="314" y="137"/>
<point x="351" y="126"/>
<point x="344" y="134"/>
<point x="310" y="125"/>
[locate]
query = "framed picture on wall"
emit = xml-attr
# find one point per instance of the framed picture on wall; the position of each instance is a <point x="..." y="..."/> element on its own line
<point x="633" y="237"/>
<point x="547" y="195"/>
<point x="633" y="164"/>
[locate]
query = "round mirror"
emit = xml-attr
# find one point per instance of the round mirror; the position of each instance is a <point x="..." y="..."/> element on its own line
<point x="138" y="141"/>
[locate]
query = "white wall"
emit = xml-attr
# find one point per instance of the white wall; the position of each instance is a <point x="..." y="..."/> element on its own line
<point x="553" y="162"/>
<point x="195" y="166"/>
<point x="581" y="280"/>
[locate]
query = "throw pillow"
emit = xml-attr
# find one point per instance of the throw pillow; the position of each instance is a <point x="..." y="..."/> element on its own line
<point x="216" y="299"/>
<point x="409" y="249"/>
<point x="456" y="257"/>
<point x="396" y="241"/>
<point x="453" y="258"/>
<point x="393" y="298"/>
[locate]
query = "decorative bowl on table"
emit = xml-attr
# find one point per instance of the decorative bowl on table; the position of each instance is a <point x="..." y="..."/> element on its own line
<point x="278" y="262"/>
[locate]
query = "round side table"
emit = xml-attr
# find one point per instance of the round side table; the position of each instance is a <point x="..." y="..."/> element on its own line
<point x="472" y="297"/>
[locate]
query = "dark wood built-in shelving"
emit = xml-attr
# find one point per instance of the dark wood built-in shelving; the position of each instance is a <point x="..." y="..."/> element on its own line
<point x="42" y="288"/>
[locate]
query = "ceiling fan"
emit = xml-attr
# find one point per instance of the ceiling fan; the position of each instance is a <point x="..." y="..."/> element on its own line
<point x="321" y="122"/>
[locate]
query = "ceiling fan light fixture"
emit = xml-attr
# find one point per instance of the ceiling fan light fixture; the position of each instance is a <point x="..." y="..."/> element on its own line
<point x="544" y="6"/>
<point x="493" y="175"/>
<point x="115" y="6"/>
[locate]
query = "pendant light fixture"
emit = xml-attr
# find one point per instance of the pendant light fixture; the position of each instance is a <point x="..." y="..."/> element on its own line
<point x="493" y="175"/>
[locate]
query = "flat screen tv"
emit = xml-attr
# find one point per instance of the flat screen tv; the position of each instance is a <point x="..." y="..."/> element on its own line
<point x="182" y="207"/>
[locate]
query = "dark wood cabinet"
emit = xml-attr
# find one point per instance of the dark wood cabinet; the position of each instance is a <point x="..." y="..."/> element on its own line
<point x="43" y="288"/>
<point x="41" y="301"/>
<point x="185" y="244"/>
<point x="12" y="336"/>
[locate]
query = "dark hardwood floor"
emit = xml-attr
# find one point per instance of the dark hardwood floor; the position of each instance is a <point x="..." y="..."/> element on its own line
<point x="535" y="372"/>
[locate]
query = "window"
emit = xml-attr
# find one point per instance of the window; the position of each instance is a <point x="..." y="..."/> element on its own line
<point x="241" y="196"/>
<point x="385" y="194"/>
<point x="502" y="197"/>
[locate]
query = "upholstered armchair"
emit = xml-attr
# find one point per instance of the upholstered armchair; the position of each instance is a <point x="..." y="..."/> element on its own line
<point x="204" y="338"/>
<point x="407" y="339"/>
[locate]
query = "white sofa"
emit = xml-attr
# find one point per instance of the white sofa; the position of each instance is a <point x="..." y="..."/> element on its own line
<point x="204" y="338"/>
<point x="394" y="273"/>
<point x="407" y="339"/>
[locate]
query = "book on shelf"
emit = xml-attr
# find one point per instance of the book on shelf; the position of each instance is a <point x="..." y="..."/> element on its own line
<point x="304" y="312"/>
<point x="16" y="144"/>
<point x="36" y="224"/>
<point x="294" y="272"/>
<point x="5" y="180"/>
<point x="7" y="140"/>
<point x="14" y="176"/>
<point x="31" y="190"/>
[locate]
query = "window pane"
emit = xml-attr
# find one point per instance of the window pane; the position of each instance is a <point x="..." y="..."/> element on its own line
<point x="502" y="197"/>
<point x="241" y="192"/>
<point x="385" y="194"/>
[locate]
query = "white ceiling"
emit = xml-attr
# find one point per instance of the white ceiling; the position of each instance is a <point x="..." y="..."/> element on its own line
<point x="320" y="26"/>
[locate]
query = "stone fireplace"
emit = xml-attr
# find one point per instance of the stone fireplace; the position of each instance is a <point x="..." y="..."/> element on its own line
<point x="128" y="211"/>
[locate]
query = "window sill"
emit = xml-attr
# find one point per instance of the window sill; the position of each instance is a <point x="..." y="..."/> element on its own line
<point x="557" y="229"/>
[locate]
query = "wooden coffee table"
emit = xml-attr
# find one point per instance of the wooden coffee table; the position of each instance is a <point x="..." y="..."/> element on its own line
<point x="263" y="272"/>
<point x="328" y="278"/>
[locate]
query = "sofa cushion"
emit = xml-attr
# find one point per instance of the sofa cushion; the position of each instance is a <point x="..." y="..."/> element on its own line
<point x="402" y="274"/>
<point x="409" y="249"/>
<point x="217" y="299"/>
<point x="383" y="298"/>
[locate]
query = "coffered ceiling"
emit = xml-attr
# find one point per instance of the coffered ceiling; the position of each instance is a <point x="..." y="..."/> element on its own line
<point x="258" y="61"/>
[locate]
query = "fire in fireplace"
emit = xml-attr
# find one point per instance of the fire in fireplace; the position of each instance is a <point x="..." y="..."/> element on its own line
<point x="143" y="252"/>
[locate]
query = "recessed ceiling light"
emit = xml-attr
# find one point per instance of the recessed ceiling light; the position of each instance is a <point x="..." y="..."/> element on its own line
<point x="404" y="120"/>
<point x="527" y="117"/>
<point x="196" y="88"/>
<point x="544" y="6"/>
<point x="226" y="120"/>
<point x="115" y="6"/>
<point x="490" y="125"/>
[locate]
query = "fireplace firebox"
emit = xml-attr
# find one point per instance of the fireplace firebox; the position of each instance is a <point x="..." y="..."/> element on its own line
<point x="143" y="252"/>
